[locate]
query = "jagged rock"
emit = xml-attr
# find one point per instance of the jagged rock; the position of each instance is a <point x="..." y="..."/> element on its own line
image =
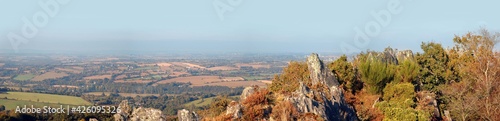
<point x="331" y="108"/>
<point x="146" y="114"/>
<point x="392" y="55"/>
<point x="125" y="111"/>
<point x="404" y="55"/>
<point x="319" y="74"/>
<point x="186" y="115"/>
<point x="234" y="109"/>
<point x="247" y="92"/>
<point x="140" y="114"/>
<point x="321" y="97"/>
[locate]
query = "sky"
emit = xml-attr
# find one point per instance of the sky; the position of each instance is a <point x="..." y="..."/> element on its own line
<point x="238" y="25"/>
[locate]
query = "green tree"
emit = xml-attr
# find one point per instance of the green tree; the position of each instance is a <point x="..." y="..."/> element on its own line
<point x="433" y="64"/>
<point x="345" y="72"/>
<point x="376" y="74"/>
<point x="407" y="71"/>
<point x="399" y="102"/>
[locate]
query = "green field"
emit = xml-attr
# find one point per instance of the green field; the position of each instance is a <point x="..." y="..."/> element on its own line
<point x="12" y="104"/>
<point x="44" y="98"/>
<point x="205" y="101"/>
<point x="24" y="77"/>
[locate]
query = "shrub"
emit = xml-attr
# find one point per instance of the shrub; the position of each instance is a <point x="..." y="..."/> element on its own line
<point x="218" y="106"/>
<point x="376" y="74"/>
<point x="398" y="104"/>
<point x="344" y="71"/>
<point x="255" y="105"/>
<point x="285" y="111"/>
<point x="288" y="81"/>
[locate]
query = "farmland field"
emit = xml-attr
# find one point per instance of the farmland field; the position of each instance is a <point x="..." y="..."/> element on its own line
<point x="24" y="77"/>
<point x="47" y="98"/>
<point x="70" y="70"/>
<point x="12" y="104"/>
<point x="122" y="94"/>
<point x="213" y="81"/>
<point x="49" y="75"/>
<point x="237" y="84"/>
<point x="132" y="81"/>
<point x="253" y="65"/>
<point x="194" y="80"/>
<point x="98" y="77"/>
<point x="222" y="68"/>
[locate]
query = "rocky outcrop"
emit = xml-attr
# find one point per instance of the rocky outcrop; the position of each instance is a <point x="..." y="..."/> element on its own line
<point x="392" y="55"/>
<point x="139" y="114"/>
<point x="234" y="109"/>
<point x="330" y="105"/>
<point x="321" y="98"/>
<point x="126" y="110"/>
<point x="404" y="55"/>
<point x="186" y="115"/>
<point x="247" y="92"/>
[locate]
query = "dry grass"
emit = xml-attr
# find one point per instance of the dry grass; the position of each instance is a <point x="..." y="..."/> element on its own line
<point x="98" y="77"/>
<point x="223" y="68"/>
<point x="49" y="75"/>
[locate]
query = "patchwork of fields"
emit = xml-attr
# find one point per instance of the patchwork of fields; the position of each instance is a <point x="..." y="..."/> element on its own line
<point x="13" y="99"/>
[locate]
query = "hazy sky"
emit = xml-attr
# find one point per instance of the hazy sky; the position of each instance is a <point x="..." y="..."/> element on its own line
<point x="251" y="26"/>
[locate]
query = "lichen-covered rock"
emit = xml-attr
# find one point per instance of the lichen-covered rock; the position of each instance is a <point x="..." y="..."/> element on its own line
<point x="234" y="109"/>
<point x="320" y="99"/>
<point x="146" y="114"/>
<point x="127" y="113"/>
<point x="328" y="104"/>
<point x="319" y="74"/>
<point x="186" y="115"/>
<point x="247" y="92"/>
<point x="404" y="55"/>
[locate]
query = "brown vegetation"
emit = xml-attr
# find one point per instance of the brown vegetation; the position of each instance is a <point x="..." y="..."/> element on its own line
<point x="255" y="105"/>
